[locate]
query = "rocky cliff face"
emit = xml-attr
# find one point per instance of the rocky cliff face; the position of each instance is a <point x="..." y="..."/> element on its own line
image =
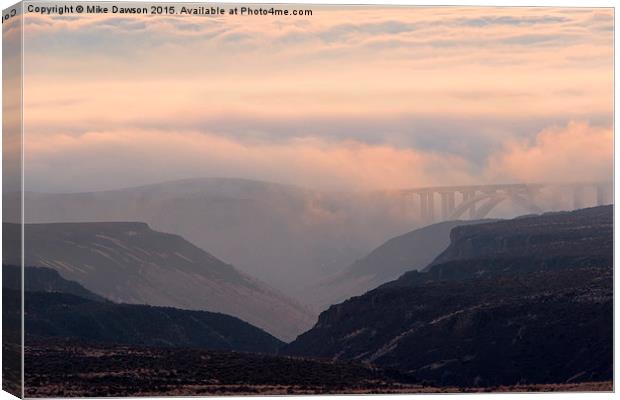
<point x="522" y="301"/>
<point x="584" y="233"/>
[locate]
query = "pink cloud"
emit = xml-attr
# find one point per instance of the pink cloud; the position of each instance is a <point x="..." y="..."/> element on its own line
<point x="573" y="153"/>
<point x="577" y="152"/>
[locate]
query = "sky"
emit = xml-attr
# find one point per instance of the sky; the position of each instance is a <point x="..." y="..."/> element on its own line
<point x="348" y="98"/>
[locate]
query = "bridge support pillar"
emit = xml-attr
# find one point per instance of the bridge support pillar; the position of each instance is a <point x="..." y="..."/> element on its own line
<point x="444" y="205"/>
<point x="451" y="203"/>
<point x="427" y="206"/>
<point x="468" y="195"/>
<point x="578" y="197"/>
<point x="601" y="195"/>
<point x="447" y="204"/>
<point x="472" y="211"/>
<point x="431" y="206"/>
<point x="423" y="206"/>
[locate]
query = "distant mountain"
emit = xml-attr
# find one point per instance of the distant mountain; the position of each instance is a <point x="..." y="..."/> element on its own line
<point x="287" y="236"/>
<point x="65" y="315"/>
<point x="529" y="300"/>
<point x="409" y="252"/>
<point x="39" y="279"/>
<point x="128" y="262"/>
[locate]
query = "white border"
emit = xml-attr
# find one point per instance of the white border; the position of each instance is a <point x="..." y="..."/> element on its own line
<point x="514" y="3"/>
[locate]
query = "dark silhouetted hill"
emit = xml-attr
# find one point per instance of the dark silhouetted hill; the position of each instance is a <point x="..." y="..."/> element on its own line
<point x="64" y="315"/>
<point x="40" y="279"/>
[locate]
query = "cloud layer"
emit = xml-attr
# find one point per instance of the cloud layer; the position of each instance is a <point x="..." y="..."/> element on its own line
<point x="361" y="97"/>
<point x="573" y="153"/>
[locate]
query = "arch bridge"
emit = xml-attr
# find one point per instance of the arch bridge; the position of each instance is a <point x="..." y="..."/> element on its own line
<point x="444" y="203"/>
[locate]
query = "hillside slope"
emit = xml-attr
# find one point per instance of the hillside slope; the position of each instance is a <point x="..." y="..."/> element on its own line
<point x="528" y="300"/>
<point x="127" y="262"/>
<point x="409" y="252"/>
<point x="63" y="315"/>
<point x="41" y="279"/>
<point x="287" y="236"/>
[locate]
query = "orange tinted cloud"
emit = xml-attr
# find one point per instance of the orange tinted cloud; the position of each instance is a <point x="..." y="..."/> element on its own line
<point x="282" y="99"/>
<point x="137" y="155"/>
<point x="573" y="153"/>
<point x="505" y="61"/>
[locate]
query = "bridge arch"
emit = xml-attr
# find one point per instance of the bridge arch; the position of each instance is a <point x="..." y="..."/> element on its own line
<point x="493" y="200"/>
<point x="480" y="200"/>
